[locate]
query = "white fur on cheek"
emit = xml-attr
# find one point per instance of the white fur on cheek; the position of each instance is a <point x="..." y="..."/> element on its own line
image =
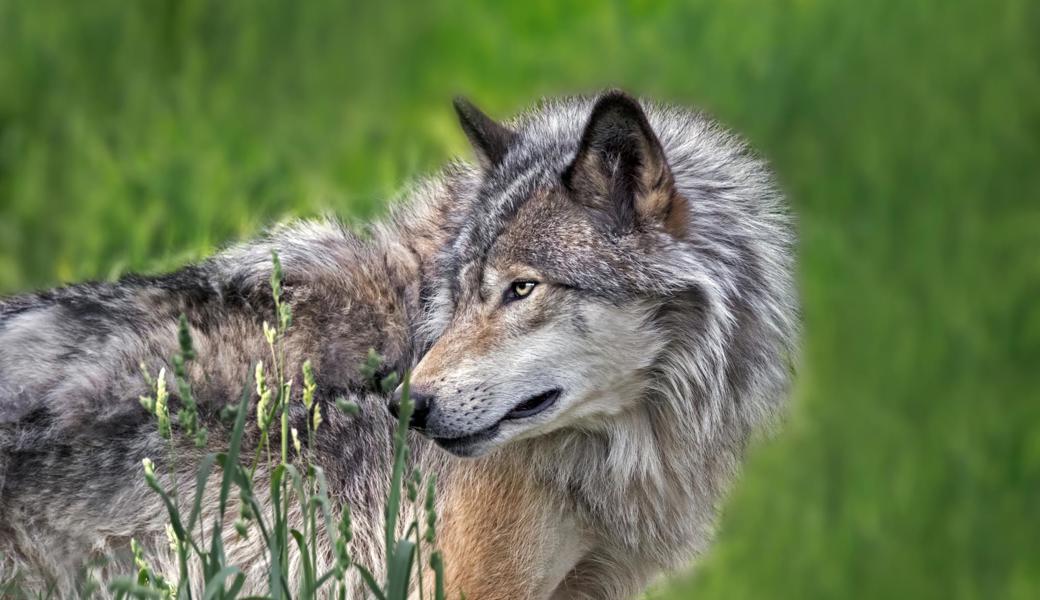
<point x="601" y="373"/>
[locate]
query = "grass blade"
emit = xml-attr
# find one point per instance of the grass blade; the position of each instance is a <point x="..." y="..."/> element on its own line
<point x="201" y="476"/>
<point x="308" y="568"/>
<point x="234" y="447"/>
<point x="370" y="581"/>
<point x="124" y="586"/>
<point x="215" y="585"/>
<point x="393" y="501"/>
<point x="400" y="570"/>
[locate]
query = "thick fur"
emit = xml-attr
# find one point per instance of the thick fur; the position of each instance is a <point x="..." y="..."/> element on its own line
<point x="676" y="312"/>
<point x="72" y="439"/>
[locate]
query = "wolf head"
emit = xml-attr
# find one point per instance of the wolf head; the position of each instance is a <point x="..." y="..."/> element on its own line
<point x="559" y="298"/>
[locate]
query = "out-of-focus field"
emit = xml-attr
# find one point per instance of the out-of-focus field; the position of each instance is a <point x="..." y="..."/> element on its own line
<point x="140" y="135"/>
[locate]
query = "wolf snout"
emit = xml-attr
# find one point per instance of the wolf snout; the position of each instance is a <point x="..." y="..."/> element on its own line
<point x="423" y="402"/>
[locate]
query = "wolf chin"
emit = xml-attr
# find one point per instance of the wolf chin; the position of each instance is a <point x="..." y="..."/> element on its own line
<point x="598" y="316"/>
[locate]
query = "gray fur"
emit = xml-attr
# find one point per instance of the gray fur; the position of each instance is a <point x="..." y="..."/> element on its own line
<point x="643" y="473"/>
<point x="714" y="306"/>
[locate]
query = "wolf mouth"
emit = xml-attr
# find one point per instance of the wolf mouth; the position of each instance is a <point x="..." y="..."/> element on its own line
<point x="534" y="405"/>
<point x="462" y="446"/>
<point x="528" y="408"/>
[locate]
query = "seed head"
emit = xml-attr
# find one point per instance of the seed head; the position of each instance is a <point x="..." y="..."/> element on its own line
<point x="296" y="440"/>
<point x="351" y="408"/>
<point x="309" y="386"/>
<point x="184" y="337"/>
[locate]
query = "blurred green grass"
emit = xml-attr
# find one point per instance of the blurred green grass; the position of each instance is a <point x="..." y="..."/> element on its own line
<point x="137" y="136"/>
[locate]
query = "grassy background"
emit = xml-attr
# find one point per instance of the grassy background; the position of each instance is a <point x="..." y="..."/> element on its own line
<point x="140" y="135"/>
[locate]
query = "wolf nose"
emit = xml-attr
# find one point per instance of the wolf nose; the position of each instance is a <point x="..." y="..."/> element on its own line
<point x="421" y="410"/>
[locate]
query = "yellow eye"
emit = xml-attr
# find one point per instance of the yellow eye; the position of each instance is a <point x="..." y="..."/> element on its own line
<point x="520" y="289"/>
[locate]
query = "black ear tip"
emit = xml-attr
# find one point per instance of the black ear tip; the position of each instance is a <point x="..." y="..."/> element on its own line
<point x="463" y="107"/>
<point x="489" y="138"/>
<point x="469" y="115"/>
<point x="619" y="102"/>
<point x="617" y="93"/>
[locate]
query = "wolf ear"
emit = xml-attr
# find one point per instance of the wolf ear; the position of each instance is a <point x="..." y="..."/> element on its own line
<point x="489" y="138"/>
<point x="620" y="171"/>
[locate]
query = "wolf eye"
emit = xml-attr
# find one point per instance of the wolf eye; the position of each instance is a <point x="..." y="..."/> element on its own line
<point x="520" y="289"/>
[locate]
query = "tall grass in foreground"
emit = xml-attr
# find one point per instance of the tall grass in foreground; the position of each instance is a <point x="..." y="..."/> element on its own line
<point x="293" y="489"/>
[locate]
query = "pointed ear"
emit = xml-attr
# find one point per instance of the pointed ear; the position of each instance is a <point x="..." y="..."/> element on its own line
<point x="489" y="138"/>
<point x="620" y="171"/>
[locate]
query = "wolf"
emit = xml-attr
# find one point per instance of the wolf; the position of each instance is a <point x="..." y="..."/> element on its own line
<point x="597" y="316"/>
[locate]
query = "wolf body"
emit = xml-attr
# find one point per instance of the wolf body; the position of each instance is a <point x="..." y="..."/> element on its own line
<point x="598" y="316"/>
